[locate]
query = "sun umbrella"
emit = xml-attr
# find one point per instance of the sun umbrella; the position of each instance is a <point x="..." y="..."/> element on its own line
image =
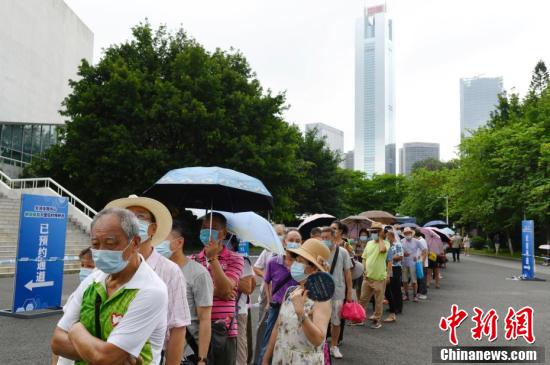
<point x="379" y="216"/>
<point x="444" y="237"/>
<point x="449" y="232"/>
<point x="433" y="240"/>
<point x="355" y="223"/>
<point x="315" y="220"/>
<point x="437" y="224"/>
<point x="410" y="225"/>
<point x="211" y="188"/>
<point x="253" y="228"/>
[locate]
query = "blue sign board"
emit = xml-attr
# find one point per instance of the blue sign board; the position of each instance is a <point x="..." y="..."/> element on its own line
<point x="528" y="249"/>
<point x="40" y="252"/>
<point x="244" y="248"/>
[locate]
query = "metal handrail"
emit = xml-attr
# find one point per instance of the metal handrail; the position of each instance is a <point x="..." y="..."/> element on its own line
<point x="46" y="182"/>
<point x="14" y="162"/>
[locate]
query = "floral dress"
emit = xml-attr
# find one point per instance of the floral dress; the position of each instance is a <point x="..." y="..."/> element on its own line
<point x="292" y="346"/>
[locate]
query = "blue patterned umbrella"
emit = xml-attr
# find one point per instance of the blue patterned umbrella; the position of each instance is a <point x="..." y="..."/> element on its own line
<point x="211" y="188"/>
<point x="437" y="224"/>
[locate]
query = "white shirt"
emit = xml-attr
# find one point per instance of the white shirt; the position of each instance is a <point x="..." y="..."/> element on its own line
<point x="424" y="246"/>
<point x="247" y="272"/>
<point x="261" y="263"/>
<point x="178" y="308"/>
<point x="145" y="318"/>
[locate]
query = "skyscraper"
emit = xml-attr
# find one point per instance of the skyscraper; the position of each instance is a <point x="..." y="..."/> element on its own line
<point x="374" y="93"/>
<point x="414" y="152"/>
<point x="478" y="97"/>
<point x="349" y="160"/>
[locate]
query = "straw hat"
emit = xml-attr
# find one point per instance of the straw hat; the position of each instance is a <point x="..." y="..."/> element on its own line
<point x="376" y="226"/>
<point x="408" y="230"/>
<point x="313" y="251"/>
<point x="163" y="219"/>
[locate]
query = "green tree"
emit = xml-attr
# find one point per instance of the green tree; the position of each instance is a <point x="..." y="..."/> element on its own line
<point x="423" y="195"/>
<point x="539" y="80"/>
<point x="318" y="192"/>
<point x="161" y="101"/>
<point x="431" y="164"/>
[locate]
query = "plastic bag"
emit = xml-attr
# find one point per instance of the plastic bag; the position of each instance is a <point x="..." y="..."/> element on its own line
<point x="353" y="311"/>
<point x="419" y="270"/>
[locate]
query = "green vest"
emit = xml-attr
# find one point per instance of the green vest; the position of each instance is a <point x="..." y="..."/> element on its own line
<point x="111" y="311"/>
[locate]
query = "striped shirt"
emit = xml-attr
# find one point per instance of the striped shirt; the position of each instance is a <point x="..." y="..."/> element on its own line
<point x="232" y="264"/>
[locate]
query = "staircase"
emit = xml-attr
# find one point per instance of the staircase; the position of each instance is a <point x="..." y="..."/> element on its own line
<point x="78" y="224"/>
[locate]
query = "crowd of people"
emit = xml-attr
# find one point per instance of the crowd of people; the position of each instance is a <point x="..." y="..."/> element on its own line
<point x="142" y="300"/>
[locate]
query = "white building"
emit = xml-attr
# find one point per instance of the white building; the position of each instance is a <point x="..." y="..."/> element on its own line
<point x="478" y="97"/>
<point x="349" y="160"/>
<point x="375" y="150"/>
<point x="333" y="136"/>
<point x="42" y="43"/>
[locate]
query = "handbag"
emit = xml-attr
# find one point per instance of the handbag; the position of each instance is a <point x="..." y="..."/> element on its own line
<point x="353" y="311"/>
<point x="432" y="256"/>
<point x="419" y="270"/>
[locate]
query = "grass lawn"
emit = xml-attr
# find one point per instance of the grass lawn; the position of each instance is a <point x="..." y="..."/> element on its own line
<point x="504" y="254"/>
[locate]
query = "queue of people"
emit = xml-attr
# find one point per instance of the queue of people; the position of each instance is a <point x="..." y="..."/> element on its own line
<point x="142" y="300"/>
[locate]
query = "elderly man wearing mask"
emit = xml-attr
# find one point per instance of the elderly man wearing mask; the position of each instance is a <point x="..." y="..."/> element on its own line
<point x="225" y="268"/>
<point x="155" y="224"/>
<point x="299" y="333"/>
<point x="125" y="294"/>
<point x="411" y="253"/>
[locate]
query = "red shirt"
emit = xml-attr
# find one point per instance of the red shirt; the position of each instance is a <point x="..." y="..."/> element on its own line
<point x="232" y="264"/>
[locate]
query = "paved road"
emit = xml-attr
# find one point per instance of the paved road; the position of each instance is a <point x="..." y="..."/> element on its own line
<point x="476" y="281"/>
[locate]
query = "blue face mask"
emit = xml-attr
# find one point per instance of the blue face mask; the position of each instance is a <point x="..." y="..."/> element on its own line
<point x="84" y="272"/>
<point x="205" y="236"/>
<point x="164" y="249"/>
<point x="364" y="238"/>
<point x="143" y="230"/>
<point x="297" y="271"/>
<point x="109" y="261"/>
<point x="328" y="243"/>
<point x="374" y="236"/>
<point x="292" y="245"/>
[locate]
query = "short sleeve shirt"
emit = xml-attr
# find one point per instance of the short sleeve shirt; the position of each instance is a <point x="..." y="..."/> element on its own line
<point x="200" y="291"/>
<point x="413" y="248"/>
<point x="232" y="264"/>
<point x="396" y="249"/>
<point x="375" y="260"/>
<point x="170" y="273"/>
<point x="276" y="273"/>
<point x="243" y="300"/>
<point x="343" y="263"/>
<point x="133" y="318"/>
<point x="423" y="246"/>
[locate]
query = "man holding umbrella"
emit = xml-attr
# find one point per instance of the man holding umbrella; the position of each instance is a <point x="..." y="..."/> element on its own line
<point x="155" y="224"/>
<point x="225" y="268"/>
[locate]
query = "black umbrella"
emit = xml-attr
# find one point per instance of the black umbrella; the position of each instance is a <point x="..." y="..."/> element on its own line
<point x="315" y="220"/>
<point x="211" y="188"/>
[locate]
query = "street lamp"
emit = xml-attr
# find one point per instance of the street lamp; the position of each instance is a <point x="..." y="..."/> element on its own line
<point x="446" y="197"/>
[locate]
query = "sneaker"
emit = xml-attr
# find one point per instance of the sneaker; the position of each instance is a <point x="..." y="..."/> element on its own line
<point x="405" y="298"/>
<point x="415" y="298"/>
<point x="361" y="323"/>
<point x="335" y="352"/>
<point x="376" y="325"/>
<point x="422" y="296"/>
<point x="371" y="318"/>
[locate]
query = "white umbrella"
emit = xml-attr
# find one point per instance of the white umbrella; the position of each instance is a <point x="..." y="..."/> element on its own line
<point x="447" y="231"/>
<point x="251" y="227"/>
<point x="544" y="247"/>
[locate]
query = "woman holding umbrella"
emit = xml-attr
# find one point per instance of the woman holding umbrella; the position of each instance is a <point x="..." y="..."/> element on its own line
<point x="299" y="333"/>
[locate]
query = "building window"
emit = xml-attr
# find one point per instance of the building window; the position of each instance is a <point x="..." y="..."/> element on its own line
<point x="369" y="26"/>
<point x="390" y="30"/>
